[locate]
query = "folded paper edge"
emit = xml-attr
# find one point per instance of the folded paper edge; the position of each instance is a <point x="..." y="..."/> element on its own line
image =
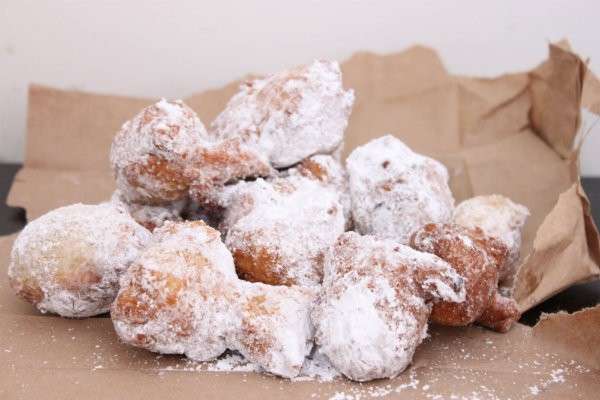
<point x="527" y="298"/>
<point x="547" y="84"/>
<point x="575" y="334"/>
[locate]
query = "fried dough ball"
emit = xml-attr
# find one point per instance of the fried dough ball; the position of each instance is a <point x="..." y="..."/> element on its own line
<point x="376" y="299"/>
<point x="279" y="230"/>
<point x="477" y="258"/>
<point x="182" y="296"/>
<point x="395" y="191"/>
<point x="149" y="216"/>
<point x="151" y="154"/>
<point x="290" y="115"/>
<point x="498" y="217"/>
<point x="68" y="261"/>
<point x="165" y="149"/>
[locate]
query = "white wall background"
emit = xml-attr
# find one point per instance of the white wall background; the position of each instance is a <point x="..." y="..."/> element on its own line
<point x="175" y="48"/>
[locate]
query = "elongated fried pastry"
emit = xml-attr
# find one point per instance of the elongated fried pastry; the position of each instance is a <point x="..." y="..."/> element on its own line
<point x="376" y="299"/>
<point x="478" y="259"/>
<point x="182" y="296"/>
<point x="68" y="261"/>
<point x="499" y="217"/>
<point x="291" y="115"/>
<point x="395" y="191"/>
<point x="165" y="150"/>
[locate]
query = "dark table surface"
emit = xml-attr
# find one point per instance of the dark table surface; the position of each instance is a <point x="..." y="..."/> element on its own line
<point x="572" y="299"/>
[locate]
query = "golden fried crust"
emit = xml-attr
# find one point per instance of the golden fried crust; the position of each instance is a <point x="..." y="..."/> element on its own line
<point x="469" y="257"/>
<point x="276" y="98"/>
<point x="312" y="169"/>
<point x="253" y="339"/>
<point x="494" y="248"/>
<point x="77" y="278"/>
<point x="259" y="264"/>
<point x="139" y="303"/>
<point x="170" y="176"/>
<point x="226" y="162"/>
<point x="500" y="314"/>
<point x="27" y="289"/>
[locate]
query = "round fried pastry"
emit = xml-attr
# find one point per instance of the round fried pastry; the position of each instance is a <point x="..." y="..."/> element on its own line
<point x="69" y="260"/>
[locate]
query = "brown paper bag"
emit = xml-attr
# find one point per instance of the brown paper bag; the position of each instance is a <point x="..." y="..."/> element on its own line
<point x="512" y="135"/>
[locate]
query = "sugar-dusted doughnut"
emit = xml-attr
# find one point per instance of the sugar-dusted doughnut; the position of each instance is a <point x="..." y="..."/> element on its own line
<point x="376" y="299"/>
<point x="280" y="229"/>
<point x="151" y="155"/>
<point x="69" y="260"/>
<point x="395" y="191"/>
<point x="182" y="296"/>
<point x="290" y="115"/>
<point x="499" y="217"/>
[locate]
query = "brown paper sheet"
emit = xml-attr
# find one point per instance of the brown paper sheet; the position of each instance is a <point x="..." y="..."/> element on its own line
<point x="512" y="135"/>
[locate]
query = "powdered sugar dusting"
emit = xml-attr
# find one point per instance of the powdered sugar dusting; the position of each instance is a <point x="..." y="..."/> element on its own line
<point x="69" y="260"/>
<point x="290" y="115"/>
<point x="330" y="172"/>
<point x="498" y="217"/>
<point x="182" y="296"/>
<point x="169" y="127"/>
<point x="150" y="216"/>
<point x="150" y="154"/>
<point x="373" y="310"/>
<point x="232" y="362"/>
<point x="279" y="230"/>
<point x="395" y="190"/>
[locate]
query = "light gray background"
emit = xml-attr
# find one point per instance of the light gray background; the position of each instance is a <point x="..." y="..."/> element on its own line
<point x="174" y="48"/>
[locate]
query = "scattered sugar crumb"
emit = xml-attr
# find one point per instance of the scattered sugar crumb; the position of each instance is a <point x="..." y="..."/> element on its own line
<point x="534" y="390"/>
<point x="233" y="363"/>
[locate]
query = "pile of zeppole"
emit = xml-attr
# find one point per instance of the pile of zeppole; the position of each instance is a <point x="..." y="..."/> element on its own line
<point x="253" y="236"/>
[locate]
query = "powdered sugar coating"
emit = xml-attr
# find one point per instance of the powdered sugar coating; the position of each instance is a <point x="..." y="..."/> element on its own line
<point x="151" y="154"/>
<point x="290" y="115"/>
<point x="275" y="329"/>
<point x="279" y="230"/>
<point x="69" y="260"/>
<point x="150" y="216"/>
<point x="182" y="296"/>
<point x="395" y="191"/>
<point x="372" y="311"/>
<point x="499" y="217"/>
<point x="330" y="172"/>
<point x="176" y="297"/>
